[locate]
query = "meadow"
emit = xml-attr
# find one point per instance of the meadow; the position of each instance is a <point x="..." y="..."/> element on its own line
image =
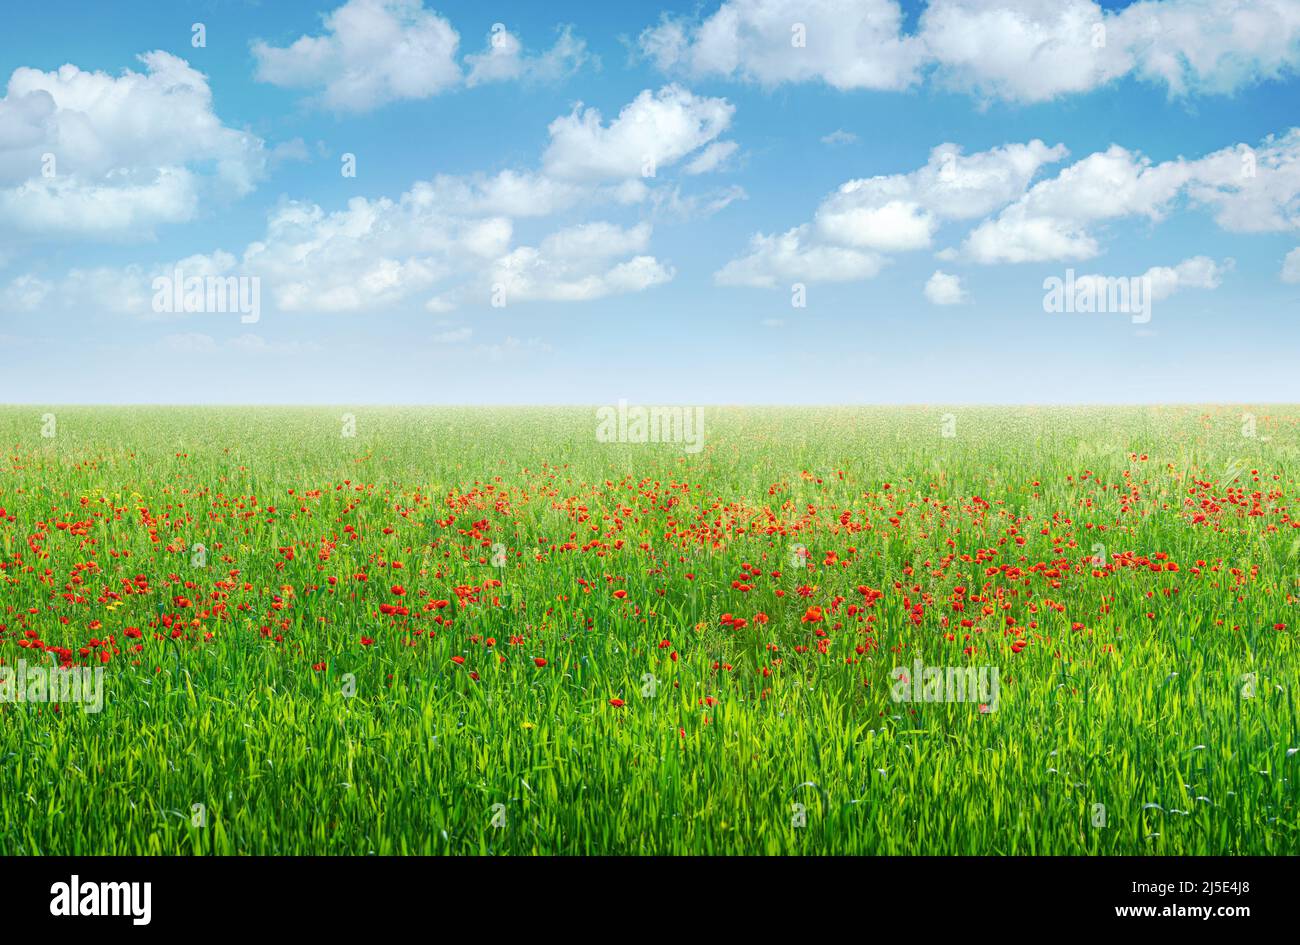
<point x="486" y="631"/>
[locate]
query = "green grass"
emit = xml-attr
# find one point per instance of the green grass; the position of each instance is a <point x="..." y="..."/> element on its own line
<point x="1127" y="711"/>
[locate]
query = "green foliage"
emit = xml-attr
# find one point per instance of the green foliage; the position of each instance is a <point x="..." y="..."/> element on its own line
<point x="1166" y="696"/>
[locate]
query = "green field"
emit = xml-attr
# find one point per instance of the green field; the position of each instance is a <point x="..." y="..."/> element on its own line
<point x="337" y="670"/>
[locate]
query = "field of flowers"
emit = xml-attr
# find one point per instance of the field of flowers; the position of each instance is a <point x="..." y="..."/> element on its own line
<point x="467" y="631"/>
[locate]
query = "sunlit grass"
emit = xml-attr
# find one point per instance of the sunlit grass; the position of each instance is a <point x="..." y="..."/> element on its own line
<point x="1179" y="724"/>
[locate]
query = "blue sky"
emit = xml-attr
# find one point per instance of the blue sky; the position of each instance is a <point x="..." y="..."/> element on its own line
<point x="918" y="171"/>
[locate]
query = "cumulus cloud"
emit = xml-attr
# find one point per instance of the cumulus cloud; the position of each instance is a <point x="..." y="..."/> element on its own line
<point x="1020" y="50"/>
<point x="576" y="264"/>
<point x="1198" y="272"/>
<point x="504" y="59"/>
<point x="529" y="274"/>
<point x="1291" y="266"/>
<point x="112" y="208"/>
<point x="373" y="52"/>
<point x="1052" y="220"/>
<point x="1057" y="218"/>
<point x="1246" y="189"/>
<point x="848" y="44"/>
<point x="902" y="211"/>
<point x="891" y="213"/>
<point x="596" y="241"/>
<point x="442" y="243"/>
<point x="944" y="289"/>
<point x="1252" y="190"/>
<point x="377" y="254"/>
<point x="654" y="131"/>
<point x="793" y="257"/>
<point x="95" y="155"/>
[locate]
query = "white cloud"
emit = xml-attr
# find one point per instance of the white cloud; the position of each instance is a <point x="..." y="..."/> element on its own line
<point x="440" y="244"/>
<point x="118" y="291"/>
<point x="1054" y="219"/>
<point x="24" y="293"/>
<point x="372" y="52"/>
<point x="1198" y="272"/>
<point x="652" y="132"/>
<point x="1214" y="46"/>
<point x="891" y="213"/>
<point x="1027" y="50"/>
<point x="791" y="257"/>
<point x="1291" y="266"/>
<point x="848" y="44"/>
<point x="1252" y="190"/>
<point x="1032" y="50"/>
<point x="839" y="136"/>
<point x="670" y="204"/>
<point x="507" y="193"/>
<point x="944" y="289"/>
<point x="711" y="158"/>
<point x="596" y="241"/>
<point x="1248" y="190"/>
<point x="504" y="59"/>
<point x="90" y="154"/>
<point x="1051" y="220"/>
<point x="902" y="211"/>
<point x="295" y="149"/>
<point x="893" y="225"/>
<point x="531" y="273"/>
<point x="379" y="253"/>
<point x="71" y="206"/>
<point x="1015" y="236"/>
<point x="1021" y="50"/>
<point x="371" y="254"/>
